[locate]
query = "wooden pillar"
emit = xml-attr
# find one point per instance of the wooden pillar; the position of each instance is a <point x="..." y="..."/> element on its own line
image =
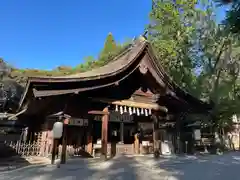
<point x="136" y="140"/>
<point x="156" y="145"/>
<point x="43" y="141"/>
<point x="64" y="141"/>
<point x="113" y="143"/>
<point x="54" y="150"/>
<point x="122" y="132"/>
<point x="90" y="138"/>
<point x="178" y="135"/>
<point x="136" y="143"/>
<point x="105" y="119"/>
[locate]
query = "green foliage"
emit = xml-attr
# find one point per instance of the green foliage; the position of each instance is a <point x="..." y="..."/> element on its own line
<point x="109" y="45"/>
<point x="110" y="50"/>
<point x="232" y="20"/>
<point x="172" y="32"/>
<point x="4" y="70"/>
<point x="188" y="40"/>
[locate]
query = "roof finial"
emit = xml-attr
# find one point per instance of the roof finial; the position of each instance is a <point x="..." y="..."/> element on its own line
<point x="143" y="36"/>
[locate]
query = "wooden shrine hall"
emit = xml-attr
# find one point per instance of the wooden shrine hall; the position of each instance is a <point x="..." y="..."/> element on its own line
<point x="128" y="106"/>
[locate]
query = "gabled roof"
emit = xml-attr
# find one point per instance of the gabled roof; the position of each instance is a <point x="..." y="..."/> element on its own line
<point x="121" y="63"/>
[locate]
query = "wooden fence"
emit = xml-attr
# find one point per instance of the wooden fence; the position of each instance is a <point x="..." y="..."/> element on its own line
<point x="26" y="149"/>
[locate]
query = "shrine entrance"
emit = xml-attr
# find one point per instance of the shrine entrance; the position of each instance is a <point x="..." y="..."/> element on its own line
<point x="126" y="103"/>
<point x="122" y="130"/>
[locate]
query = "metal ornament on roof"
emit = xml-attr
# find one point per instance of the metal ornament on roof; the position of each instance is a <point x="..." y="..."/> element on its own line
<point x="133" y="110"/>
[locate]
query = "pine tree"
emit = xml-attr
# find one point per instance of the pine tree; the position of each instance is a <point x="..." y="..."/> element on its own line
<point x="109" y="49"/>
<point x="109" y="45"/>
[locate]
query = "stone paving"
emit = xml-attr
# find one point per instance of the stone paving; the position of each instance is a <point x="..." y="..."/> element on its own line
<point x="222" y="167"/>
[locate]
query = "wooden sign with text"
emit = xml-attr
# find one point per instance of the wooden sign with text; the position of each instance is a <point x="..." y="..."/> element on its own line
<point x="78" y="122"/>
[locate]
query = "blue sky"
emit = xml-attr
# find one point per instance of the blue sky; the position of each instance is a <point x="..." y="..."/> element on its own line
<point x="44" y="34"/>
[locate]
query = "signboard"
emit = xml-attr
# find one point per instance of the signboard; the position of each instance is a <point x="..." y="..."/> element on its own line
<point x="116" y="117"/>
<point x="165" y="125"/>
<point x="78" y="122"/>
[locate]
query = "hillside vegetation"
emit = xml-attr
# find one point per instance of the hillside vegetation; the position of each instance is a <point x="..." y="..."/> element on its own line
<point x="109" y="51"/>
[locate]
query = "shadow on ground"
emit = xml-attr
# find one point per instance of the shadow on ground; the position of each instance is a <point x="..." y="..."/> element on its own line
<point x="139" y="168"/>
<point x="210" y="167"/>
<point x="9" y="159"/>
<point x="113" y="169"/>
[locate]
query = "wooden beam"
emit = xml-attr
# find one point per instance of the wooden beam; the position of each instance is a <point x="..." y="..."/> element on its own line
<point x="15" y="115"/>
<point x="98" y="112"/>
<point x="131" y="103"/>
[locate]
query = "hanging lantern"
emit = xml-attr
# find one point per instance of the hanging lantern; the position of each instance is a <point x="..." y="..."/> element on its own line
<point x="142" y="111"/>
<point x="116" y="108"/>
<point x="146" y="112"/>
<point x="149" y="111"/>
<point x="138" y="112"/>
<point x="130" y="110"/>
<point x="125" y="109"/>
<point x="134" y="110"/>
<point x="121" y="110"/>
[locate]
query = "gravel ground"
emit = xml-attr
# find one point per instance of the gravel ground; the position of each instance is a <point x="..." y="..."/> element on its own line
<point x="222" y="167"/>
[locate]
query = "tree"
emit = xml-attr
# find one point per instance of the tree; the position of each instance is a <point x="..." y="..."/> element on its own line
<point x="200" y="56"/>
<point x="232" y="20"/>
<point x="109" y="45"/>
<point x="89" y="63"/>
<point x="219" y="77"/>
<point x="10" y="95"/>
<point x="110" y="49"/>
<point x="172" y="31"/>
<point x="4" y="69"/>
<point x="10" y="90"/>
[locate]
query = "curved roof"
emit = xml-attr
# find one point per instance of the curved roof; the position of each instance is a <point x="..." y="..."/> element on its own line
<point x="117" y="65"/>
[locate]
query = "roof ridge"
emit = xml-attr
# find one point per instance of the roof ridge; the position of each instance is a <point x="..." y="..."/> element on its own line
<point x="129" y="47"/>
